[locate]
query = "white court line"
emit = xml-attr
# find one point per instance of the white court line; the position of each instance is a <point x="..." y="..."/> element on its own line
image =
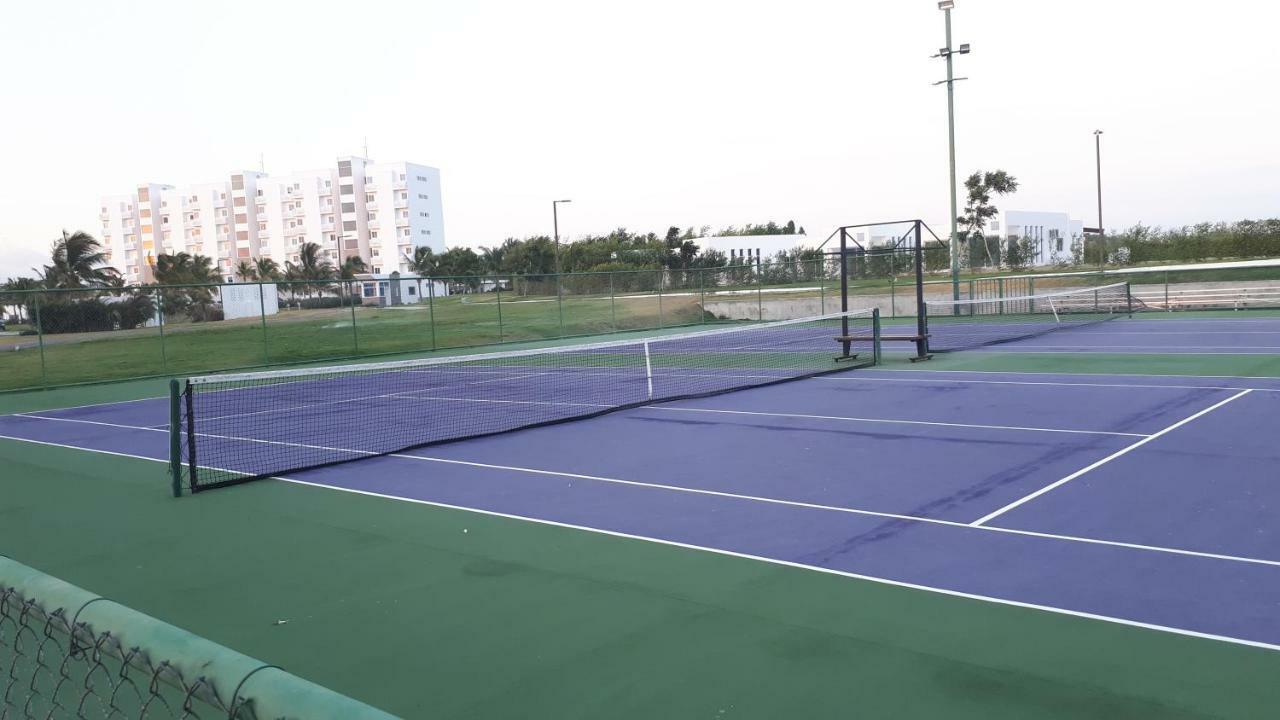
<point x="1107" y="459"/>
<point x="877" y="370"/>
<point x="859" y="377"/>
<point x="1188" y="332"/>
<point x="893" y="421"/>
<point x="787" y="563"/>
<point x="409" y="396"/>
<point x="711" y="493"/>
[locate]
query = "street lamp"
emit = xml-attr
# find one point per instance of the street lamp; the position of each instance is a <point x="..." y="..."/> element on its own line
<point x="946" y="6"/>
<point x="1097" y="147"/>
<point x="555" y="220"/>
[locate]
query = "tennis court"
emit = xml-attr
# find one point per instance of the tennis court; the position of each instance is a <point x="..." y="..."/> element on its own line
<point x="1139" y="504"/>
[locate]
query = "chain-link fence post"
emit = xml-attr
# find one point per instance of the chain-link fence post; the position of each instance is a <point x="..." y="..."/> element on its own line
<point x="662" y="276"/>
<point x="497" y="286"/>
<point x="431" y="309"/>
<point x="262" y="314"/>
<point x="560" y="302"/>
<point x="355" y="335"/>
<point x="164" y="355"/>
<point x="44" y="371"/>
<point x="613" y="305"/>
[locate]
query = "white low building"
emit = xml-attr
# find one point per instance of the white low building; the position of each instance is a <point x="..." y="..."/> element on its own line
<point x="1052" y="234"/>
<point x="752" y="249"/>
<point x="392" y="289"/>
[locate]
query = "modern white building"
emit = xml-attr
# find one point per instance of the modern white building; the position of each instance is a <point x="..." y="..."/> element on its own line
<point x="378" y="211"/>
<point x="1053" y="234"/>
<point x="752" y="249"/>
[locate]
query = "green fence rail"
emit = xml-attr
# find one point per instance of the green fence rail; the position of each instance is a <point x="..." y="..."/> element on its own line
<point x="67" y="653"/>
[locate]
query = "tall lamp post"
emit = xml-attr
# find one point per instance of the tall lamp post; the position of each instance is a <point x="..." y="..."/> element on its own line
<point x="946" y="53"/>
<point x="555" y="220"/>
<point x="1097" y="149"/>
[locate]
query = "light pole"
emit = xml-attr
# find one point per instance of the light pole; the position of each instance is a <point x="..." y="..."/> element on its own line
<point x="945" y="6"/>
<point x="1097" y="149"/>
<point x="555" y="220"/>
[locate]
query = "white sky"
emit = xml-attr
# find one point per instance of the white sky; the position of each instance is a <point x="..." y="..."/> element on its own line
<point x="646" y="114"/>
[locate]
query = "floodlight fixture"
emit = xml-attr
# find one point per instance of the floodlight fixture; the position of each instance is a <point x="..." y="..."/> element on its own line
<point x="964" y="48"/>
<point x="946" y="4"/>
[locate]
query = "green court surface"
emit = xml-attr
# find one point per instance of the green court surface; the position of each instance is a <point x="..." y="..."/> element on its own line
<point x="432" y="612"/>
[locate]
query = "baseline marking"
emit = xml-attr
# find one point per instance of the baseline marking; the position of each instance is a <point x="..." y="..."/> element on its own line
<point x="1123" y="451"/>
<point x="759" y="558"/>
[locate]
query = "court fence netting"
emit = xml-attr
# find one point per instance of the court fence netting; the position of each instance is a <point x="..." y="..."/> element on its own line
<point x="68" y="653"/>
<point x="233" y="428"/>
<point x="966" y="324"/>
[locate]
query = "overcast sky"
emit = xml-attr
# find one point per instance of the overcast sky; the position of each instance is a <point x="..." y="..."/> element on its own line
<point x="646" y="114"/>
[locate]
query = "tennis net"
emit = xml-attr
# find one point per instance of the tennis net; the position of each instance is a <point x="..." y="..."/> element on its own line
<point x="228" y="429"/>
<point x="965" y="324"/>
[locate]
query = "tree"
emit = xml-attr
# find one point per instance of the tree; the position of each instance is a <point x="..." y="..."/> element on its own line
<point x="79" y="260"/>
<point x="194" y="274"/>
<point x="463" y="263"/>
<point x="246" y="271"/>
<point x="424" y="261"/>
<point x="352" y="265"/>
<point x="981" y="186"/>
<point x="312" y="268"/>
<point x="17" y="293"/>
<point x="266" y="269"/>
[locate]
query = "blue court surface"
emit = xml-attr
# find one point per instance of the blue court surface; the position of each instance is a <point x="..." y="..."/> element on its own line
<point x="1144" y="500"/>
<point x="1245" y="335"/>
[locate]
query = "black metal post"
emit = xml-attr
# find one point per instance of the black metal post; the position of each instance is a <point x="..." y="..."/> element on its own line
<point x="844" y="292"/>
<point x="922" y="320"/>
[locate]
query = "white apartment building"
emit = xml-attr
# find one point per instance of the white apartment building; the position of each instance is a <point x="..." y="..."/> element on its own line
<point x="1053" y="234"/>
<point x="378" y="211"/>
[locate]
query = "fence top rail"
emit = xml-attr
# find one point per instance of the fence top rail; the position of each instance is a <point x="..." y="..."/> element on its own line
<point x="1188" y="267"/>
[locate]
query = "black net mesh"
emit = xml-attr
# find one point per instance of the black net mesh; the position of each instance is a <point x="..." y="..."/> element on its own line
<point x="236" y="428"/>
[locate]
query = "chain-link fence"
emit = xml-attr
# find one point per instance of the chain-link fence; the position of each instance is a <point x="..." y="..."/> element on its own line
<point x="68" y="336"/>
<point x="66" y="653"/>
<point x="61" y="337"/>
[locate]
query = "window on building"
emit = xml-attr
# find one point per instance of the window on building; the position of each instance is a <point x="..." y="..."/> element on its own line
<point x="373" y="216"/>
<point x="422" y="197"/>
<point x="328" y="202"/>
<point x="242" y="234"/>
<point x="348" y="225"/>
<point x="144" y="194"/>
<point x="422" y="178"/>
<point x="237" y="182"/>
<point x="401" y="177"/>
<point x="1059" y="244"/>
<point x="146" y="212"/>
<point x="261" y="209"/>
<point x="164" y="220"/>
<point x="346" y="189"/>
<point x="238" y="202"/>
<point x="373" y="234"/>
<point x="328" y="183"/>
<point x="425" y="214"/>
<point x="262" y="226"/>
<point x="369" y="197"/>
<point x="259" y="193"/>
<point x="406" y="232"/>
<point x="348" y="207"/>
<point x="404" y="195"/>
<point x="222" y="196"/>
<point x="344" y="168"/>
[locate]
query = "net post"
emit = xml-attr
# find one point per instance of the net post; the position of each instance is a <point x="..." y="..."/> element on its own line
<point x="175" y="436"/>
<point x="922" y="321"/>
<point x="875" y="336"/>
<point x="844" y="290"/>
<point x="648" y="369"/>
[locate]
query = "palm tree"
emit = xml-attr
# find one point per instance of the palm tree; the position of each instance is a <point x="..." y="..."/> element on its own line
<point x="17" y="293"/>
<point x="266" y="269"/>
<point x="312" y="266"/>
<point x="195" y="273"/>
<point x="424" y="261"/>
<point x="78" y="261"/>
<point x="352" y="265"/>
<point x="246" y="270"/>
